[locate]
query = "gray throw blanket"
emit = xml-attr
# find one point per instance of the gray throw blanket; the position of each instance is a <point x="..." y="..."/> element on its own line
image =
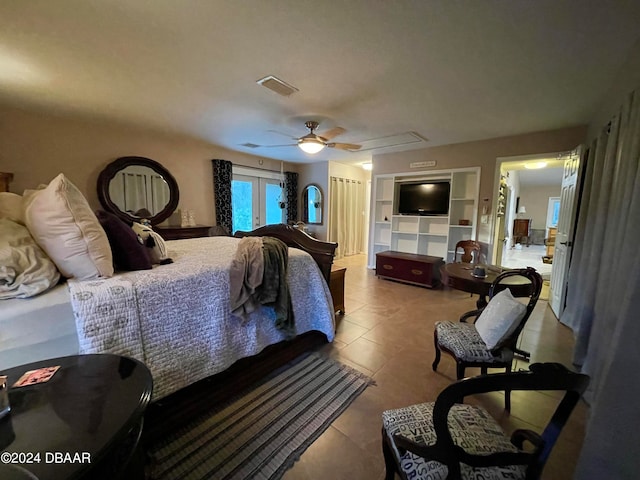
<point x="245" y="277"/>
<point x="258" y="276"/>
<point x="274" y="290"/>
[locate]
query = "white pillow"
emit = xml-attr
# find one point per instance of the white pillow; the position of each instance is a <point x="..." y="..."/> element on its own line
<point x="25" y="270"/>
<point x="500" y="318"/>
<point x="11" y="207"/>
<point x="62" y="223"/>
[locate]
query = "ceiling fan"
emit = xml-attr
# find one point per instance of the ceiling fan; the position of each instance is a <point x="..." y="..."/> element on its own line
<point x="313" y="143"/>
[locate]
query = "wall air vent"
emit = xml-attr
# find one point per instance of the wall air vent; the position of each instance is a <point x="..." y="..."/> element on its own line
<point x="277" y="85"/>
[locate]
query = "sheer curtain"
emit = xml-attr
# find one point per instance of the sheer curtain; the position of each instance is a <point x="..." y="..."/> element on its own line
<point x="602" y="300"/>
<point x="346" y="200"/>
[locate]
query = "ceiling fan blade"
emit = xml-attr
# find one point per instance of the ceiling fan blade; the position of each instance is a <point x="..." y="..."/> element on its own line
<point x="344" y="146"/>
<point x="332" y="132"/>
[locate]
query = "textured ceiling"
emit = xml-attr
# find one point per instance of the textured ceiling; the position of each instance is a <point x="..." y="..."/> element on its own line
<point x="448" y="71"/>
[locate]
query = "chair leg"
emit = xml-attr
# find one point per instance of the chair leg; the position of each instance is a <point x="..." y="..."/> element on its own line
<point x="389" y="460"/>
<point x="435" y="363"/>
<point x="460" y="368"/>
<point x="507" y="394"/>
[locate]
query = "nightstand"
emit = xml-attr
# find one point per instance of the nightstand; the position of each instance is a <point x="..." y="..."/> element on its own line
<point x="336" y="287"/>
<point x="180" y="233"/>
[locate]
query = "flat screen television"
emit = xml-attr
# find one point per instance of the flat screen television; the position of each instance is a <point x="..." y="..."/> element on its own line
<point x="424" y="198"/>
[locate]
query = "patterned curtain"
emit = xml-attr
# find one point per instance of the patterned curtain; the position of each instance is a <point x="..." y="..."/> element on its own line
<point x="291" y="196"/>
<point x="222" y="174"/>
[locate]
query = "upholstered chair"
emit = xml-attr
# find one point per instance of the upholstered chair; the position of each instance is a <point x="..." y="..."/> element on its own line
<point x="487" y="338"/>
<point x="452" y="440"/>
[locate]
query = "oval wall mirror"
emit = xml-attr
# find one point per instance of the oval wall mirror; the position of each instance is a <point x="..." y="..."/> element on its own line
<point x="134" y="188"/>
<point x="312" y="204"/>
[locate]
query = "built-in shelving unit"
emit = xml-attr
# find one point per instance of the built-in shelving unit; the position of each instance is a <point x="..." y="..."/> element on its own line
<point x="434" y="235"/>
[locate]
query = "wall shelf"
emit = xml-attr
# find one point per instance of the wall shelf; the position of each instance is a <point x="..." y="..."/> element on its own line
<point x="424" y="235"/>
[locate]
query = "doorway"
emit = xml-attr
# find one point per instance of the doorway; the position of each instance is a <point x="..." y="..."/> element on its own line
<point x="255" y="199"/>
<point x="529" y="184"/>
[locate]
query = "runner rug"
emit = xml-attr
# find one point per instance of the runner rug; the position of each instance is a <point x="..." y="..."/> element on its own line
<point x="262" y="433"/>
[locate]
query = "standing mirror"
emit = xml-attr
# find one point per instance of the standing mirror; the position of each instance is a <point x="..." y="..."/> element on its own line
<point x="134" y="188"/>
<point x="312" y="204"/>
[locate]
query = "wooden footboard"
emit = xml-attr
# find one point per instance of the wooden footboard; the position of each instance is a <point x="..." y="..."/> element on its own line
<point x="322" y="252"/>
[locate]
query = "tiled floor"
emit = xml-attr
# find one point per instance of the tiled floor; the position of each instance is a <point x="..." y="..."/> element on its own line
<point x="387" y="333"/>
<point x="530" y="256"/>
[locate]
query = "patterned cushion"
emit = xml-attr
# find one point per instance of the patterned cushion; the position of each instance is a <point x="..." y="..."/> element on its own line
<point x="464" y="341"/>
<point x="471" y="427"/>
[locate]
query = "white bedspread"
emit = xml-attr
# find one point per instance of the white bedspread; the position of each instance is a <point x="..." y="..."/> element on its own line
<point x="176" y="318"/>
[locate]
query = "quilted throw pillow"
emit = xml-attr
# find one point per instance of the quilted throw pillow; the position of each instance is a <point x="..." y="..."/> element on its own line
<point x="63" y="224"/>
<point x="25" y="270"/>
<point x="500" y="318"/>
<point x="128" y="251"/>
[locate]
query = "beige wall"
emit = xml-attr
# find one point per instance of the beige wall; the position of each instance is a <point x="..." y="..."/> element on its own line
<point x="482" y="154"/>
<point x="317" y="173"/>
<point x="36" y="147"/>
<point x="536" y="201"/>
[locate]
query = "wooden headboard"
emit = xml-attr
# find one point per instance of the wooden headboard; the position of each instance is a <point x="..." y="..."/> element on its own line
<point x="322" y="252"/>
<point x="5" y="180"/>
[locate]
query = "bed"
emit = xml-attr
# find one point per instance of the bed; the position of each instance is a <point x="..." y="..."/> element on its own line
<point x="175" y="318"/>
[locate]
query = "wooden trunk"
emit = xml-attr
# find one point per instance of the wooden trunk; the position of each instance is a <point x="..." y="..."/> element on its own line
<point x="423" y="270"/>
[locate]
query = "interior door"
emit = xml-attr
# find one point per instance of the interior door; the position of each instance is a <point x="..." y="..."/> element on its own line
<point x="564" y="236"/>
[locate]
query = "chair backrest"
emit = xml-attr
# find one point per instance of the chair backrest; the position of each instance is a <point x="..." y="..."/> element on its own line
<point x="541" y="376"/>
<point x="470" y="251"/>
<point x="529" y="289"/>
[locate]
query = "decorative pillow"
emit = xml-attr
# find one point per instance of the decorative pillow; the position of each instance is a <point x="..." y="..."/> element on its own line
<point x="128" y="251"/>
<point x="62" y="223"/>
<point x="499" y="318"/>
<point x="154" y="242"/>
<point x="25" y="270"/>
<point x="11" y="207"/>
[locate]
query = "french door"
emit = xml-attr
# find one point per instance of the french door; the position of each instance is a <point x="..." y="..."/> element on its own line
<point x="255" y="202"/>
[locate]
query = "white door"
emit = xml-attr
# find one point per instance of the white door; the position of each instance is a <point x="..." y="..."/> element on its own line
<point x="564" y="235"/>
<point x="255" y="202"/>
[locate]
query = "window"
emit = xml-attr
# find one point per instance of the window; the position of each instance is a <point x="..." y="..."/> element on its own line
<point x="553" y="211"/>
<point x="255" y="196"/>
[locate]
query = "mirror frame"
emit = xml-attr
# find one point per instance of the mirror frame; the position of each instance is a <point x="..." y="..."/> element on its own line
<point x="121" y="163"/>
<point x="305" y="211"/>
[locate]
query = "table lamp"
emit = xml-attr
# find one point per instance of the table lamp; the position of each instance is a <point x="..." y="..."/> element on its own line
<point x="521" y="211"/>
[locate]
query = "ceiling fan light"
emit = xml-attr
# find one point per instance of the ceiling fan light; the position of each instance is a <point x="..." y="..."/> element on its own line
<point x="310" y="145"/>
<point x="535" y="165"/>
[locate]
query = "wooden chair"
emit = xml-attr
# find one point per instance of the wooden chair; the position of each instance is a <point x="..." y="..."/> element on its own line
<point x="462" y="341"/>
<point x="470" y="251"/>
<point x="448" y="439"/>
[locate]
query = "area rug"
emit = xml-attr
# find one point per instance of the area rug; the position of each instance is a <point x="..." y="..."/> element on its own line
<point x="263" y="432"/>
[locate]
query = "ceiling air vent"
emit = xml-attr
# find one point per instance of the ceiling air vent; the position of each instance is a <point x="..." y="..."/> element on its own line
<point x="277" y="85"/>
